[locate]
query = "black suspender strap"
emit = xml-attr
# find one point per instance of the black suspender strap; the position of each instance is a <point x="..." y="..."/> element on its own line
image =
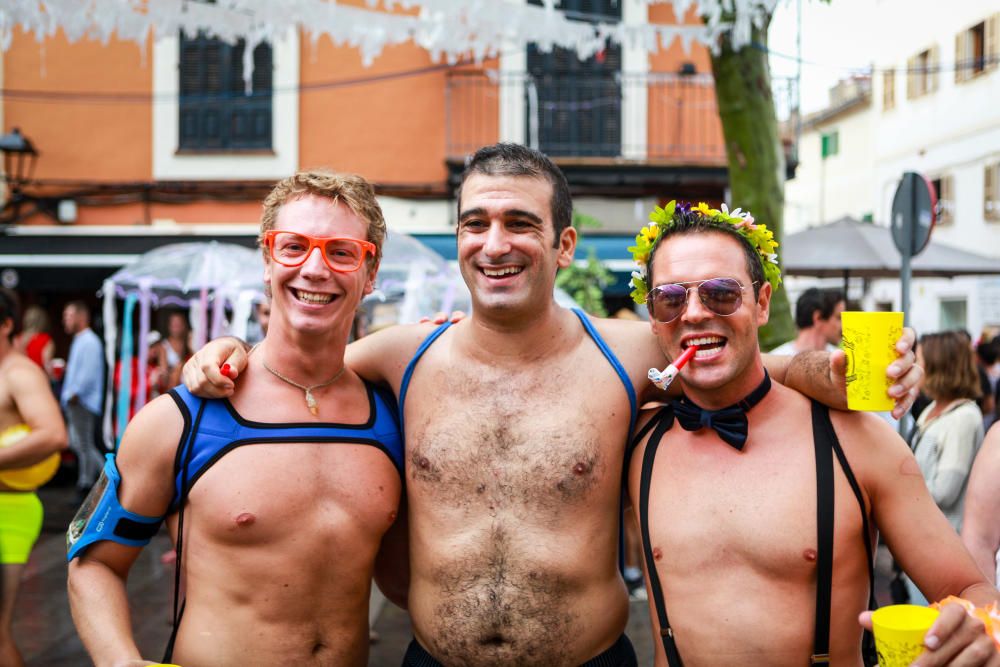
<point x="868" y="640"/>
<point x="825" y="439"/>
<point x="824" y="536"/>
<point x="664" y="419"/>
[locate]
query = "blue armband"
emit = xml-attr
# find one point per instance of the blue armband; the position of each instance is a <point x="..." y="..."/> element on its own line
<point x="101" y="517"/>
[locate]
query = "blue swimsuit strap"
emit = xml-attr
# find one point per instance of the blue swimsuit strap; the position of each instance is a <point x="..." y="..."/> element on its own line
<point x="615" y="364"/>
<point x="408" y="373"/>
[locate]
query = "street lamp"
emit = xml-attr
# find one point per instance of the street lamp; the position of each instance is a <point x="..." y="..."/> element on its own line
<point x="18" y="167"/>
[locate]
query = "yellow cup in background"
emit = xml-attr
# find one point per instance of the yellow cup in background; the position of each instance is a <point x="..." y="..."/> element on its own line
<point x="870" y="345"/>
<point x="899" y="633"/>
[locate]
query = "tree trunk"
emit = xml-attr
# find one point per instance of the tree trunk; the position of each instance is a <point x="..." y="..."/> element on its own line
<point x="755" y="154"/>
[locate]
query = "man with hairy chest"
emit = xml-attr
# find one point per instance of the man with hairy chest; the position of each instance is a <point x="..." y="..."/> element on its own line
<point x="516" y="421"/>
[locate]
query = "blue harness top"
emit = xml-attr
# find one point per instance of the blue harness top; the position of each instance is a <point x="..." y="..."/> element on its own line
<point x="218" y="429"/>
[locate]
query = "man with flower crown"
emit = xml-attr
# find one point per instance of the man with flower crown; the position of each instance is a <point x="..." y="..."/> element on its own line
<point x="516" y="422"/>
<point x="758" y="507"/>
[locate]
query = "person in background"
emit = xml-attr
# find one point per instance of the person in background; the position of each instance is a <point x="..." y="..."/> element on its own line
<point x="173" y="350"/>
<point x="981" y="523"/>
<point x="30" y="421"/>
<point x="949" y="430"/>
<point x="817" y="317"/>
<point x="257" y="328"/>
<point x="82" y="394"/>
<point x="34" y="340"/>
<point x="987" y="355"/>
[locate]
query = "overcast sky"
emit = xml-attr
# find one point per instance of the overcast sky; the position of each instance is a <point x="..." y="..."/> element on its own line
<point x="835" y="39"/>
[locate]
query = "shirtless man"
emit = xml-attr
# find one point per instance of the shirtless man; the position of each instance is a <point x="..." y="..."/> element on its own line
<point x="25" y="399"/>
<point x="516" y="421"/>
<point x="276" y="540"/>
<point x="735" y="556"/>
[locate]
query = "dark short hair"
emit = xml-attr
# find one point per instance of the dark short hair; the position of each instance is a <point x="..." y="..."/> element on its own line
<point x="689" y="221"/>
<point x="507" y="159"/>
<point x="989" y="351"/>
<point x="815" y="299"/>
<point x="80" y="307"/>
<point x="949" y="366"/>
<point x="10" y="309"/>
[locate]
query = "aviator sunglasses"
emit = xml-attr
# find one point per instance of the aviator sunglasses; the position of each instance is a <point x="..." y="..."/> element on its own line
<point x="340" y="254"/>
<point x="722" y="296"/>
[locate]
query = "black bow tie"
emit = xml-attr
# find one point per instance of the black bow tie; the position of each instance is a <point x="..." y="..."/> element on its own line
<point x="730" y="423"/>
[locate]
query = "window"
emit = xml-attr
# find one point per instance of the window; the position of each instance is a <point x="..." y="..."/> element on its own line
<point x="953" y="314"/>
<point x="922" y="73"/>
<point x="888" y="89"/>
<point x="829" y="144"/>
<point x="991" y="192"/>
<point x="215" y="113"/>
<point x="579" y="102"/>
<point x="976" y="49"/>
<point x="945" y="200"/>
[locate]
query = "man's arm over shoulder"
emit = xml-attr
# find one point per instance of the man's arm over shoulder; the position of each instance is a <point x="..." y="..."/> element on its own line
<point x="382" y="357"/>
<point x="97" y="577"/>
<point x="37" y="406"/>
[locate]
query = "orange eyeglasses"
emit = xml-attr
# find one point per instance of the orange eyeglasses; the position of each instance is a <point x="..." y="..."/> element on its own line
<point x="340" y="254"/>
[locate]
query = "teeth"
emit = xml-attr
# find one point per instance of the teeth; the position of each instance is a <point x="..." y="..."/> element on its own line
<point x="705" y="353"/>
<point x="705" y="340"/>
<point x="496" y="273"/>
<point x="313" y="297"/>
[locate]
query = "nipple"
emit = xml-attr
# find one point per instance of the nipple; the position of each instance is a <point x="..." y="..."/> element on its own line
<point x="245" y="519"/>
<point x="581" y="468"/>
<point x="423" y="462"/>
<point x="809" y="555"/>
<point x="657" y="553"/>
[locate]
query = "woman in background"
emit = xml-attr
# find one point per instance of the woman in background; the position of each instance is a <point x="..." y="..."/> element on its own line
<point x="173" y="350"/>
<point x="35" y="341"/>
<point x="950" y="430"/>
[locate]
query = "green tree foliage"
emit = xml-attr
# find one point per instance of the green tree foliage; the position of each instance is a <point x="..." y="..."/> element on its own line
<point x="586" y="283"/>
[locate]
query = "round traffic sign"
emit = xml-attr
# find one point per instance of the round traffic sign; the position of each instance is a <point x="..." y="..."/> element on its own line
<point x="914" y="212"/>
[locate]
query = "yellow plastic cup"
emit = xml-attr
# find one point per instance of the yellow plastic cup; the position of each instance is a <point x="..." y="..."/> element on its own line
<point x="899" y="633"/>
<point x="870" y="345"/>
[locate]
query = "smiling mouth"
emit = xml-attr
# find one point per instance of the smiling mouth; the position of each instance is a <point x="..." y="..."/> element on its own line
<point x="316" y="298"/>
<point x="500" y="273"/>
<point x="707" y="345"/>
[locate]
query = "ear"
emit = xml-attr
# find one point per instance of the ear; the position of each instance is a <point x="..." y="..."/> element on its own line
<point x="567" y="247"/>
<point x="370" y="280"/>
<point x="763" y="304"/>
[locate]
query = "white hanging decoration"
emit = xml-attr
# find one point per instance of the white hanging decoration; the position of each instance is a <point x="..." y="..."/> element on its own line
<point x="450" y="30"/>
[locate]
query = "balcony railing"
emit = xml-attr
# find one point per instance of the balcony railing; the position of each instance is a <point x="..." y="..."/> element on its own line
<point x="656" y="118"/>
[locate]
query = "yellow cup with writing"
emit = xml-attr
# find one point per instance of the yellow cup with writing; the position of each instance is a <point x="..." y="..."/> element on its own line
<point x="899" y="633"/>
<point x="870" y="346"/>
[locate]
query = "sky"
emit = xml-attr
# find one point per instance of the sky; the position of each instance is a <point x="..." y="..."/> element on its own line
<point x="835" y="41"/>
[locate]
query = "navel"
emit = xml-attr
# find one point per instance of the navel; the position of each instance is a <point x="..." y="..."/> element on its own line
<point x="809" y="555"/>
<point x="245" y="519"/>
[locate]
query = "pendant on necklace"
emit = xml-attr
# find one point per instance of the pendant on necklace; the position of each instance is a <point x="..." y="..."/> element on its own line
<point x="311" y="403"/>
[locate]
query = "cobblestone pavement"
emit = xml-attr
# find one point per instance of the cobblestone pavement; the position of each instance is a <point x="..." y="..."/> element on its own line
<point x="47" y="638"/>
